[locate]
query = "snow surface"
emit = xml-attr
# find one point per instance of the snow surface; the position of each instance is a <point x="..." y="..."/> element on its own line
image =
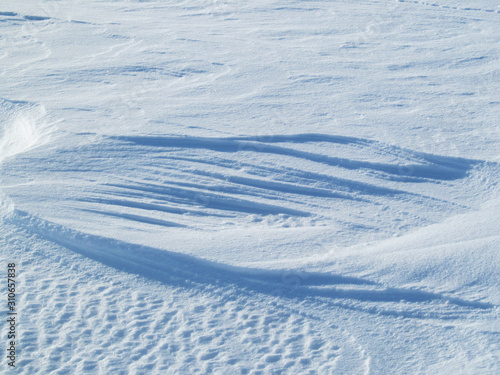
<point x="265" y="187"/>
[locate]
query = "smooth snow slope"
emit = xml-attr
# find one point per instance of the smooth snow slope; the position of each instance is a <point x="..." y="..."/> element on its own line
<point x="278" y="187"/>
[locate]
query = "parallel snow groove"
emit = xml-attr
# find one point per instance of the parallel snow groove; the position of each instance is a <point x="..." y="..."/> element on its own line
<point x="235" y="178"/>
<point x="214" y="201"/>
<point x="264" y="185"/>
<point x="295" y="176"/>
<point x="459" y="8"/>
<point x="139" y="218"/>
<point x="303" y="138"/>
<point x="436" y="168"/>
<point x="298" y="181"/>
<point x="22" y="18"/>
<point x="148" y="206"/>
<point x="187" y="271"/>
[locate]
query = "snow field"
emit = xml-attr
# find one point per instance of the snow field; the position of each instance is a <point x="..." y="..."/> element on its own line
<point x="281" y="187"/>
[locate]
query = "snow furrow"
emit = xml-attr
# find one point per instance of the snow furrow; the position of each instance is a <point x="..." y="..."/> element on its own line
<point x="462" y="7"/>
<point x="126" y="326"/>
<point x="186" y="271"/>
<point x="438" y="171"/>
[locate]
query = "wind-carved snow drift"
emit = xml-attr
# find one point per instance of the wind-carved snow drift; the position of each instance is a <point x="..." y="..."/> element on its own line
<point x="261" y="188"/>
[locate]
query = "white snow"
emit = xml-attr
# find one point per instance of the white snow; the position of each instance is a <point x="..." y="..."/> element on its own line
<point x="266" y="187"/>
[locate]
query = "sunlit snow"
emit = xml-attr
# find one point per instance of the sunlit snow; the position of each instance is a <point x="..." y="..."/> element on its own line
<point x="263" y="187"/>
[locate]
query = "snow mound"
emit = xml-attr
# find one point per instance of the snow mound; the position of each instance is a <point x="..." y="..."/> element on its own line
<point x="23" y="126"/>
